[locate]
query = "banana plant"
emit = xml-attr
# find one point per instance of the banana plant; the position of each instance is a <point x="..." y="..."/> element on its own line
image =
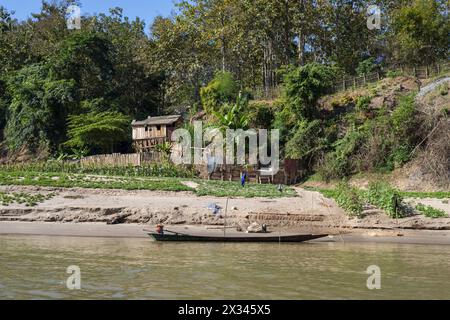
<point x="165" y="148"/>
<point x="233" y="116"/>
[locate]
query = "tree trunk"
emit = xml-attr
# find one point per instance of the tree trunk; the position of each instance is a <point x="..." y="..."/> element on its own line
<point x="223" y="49"/>
<point x="268" y="67"/>
<point x="301" y="32"/>
<point x="287" y="34"/>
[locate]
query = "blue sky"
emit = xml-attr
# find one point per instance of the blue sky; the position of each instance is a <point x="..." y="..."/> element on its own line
<point x="145" y="9"/>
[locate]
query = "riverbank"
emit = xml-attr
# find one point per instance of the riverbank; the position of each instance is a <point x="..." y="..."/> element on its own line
<point x="100" y="230"/>
<point x="308" y="209"/>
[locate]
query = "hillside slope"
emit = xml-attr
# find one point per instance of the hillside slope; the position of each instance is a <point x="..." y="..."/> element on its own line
<point x="397" y="129"/>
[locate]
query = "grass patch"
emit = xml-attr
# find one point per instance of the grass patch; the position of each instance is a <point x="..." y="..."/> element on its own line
<point x="348" y="198"/>
<point x="352" y="200"/>
<point x="205" y="188"/>
<point x="431" y="212"/>
<point x="67" y="180"/>
<point x="30" y="200"/>
<point x="424" y="195"/>
<point x="234" y="189"/>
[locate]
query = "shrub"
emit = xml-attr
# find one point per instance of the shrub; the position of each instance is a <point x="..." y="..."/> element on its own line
<point x="393" y="74"/>
<point x="431" y="212"/>
<point x="367" y="66"/>
<point x="303" y="86"/>
<point x="443" y="89"/>
<point x="403" y="116"/>
<point x="385" y="197"/>
<point x="261" y="115"/>
<point x="362" y="103"/>
<point x="97" y="130"/>
<point x="304" y="141"/>
<point x="349" y="199"/>
<point x="222" y="89"/>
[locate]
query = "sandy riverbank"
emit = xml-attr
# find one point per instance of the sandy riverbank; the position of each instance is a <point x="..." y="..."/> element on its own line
<point x="308" y="211"/>
<point x="136" y="231"/>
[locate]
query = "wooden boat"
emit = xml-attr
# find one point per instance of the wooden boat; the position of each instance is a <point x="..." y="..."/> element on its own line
<point x="233" y="237"/>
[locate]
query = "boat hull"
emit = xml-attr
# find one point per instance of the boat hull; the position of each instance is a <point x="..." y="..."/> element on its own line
<point x="246" y="238"/>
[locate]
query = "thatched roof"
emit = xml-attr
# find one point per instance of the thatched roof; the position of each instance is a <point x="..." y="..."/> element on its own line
<point x="154" y="121"/>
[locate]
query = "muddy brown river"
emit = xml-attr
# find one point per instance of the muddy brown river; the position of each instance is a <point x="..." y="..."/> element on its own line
<point x="35" y="267"/>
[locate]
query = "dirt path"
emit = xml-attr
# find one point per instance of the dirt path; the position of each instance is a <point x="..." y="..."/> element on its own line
<point x="432" y="86"/>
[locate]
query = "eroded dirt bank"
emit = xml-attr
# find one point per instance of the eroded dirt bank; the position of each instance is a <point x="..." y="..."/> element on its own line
<point x="310" y="210"/>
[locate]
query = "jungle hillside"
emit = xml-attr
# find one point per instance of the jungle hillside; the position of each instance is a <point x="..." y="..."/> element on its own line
<point x="239" y="64"/>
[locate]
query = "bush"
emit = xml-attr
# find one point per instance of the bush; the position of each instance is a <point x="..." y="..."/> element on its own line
<point x="305" y="140"/>
<point x="222" y="89"/>
<point x="367" y="66"/>
<point x="385" y="197"/>
<point x="261" y="115"/>
<point x="362" y="103"/>
<point x="431" y="212"/>
<point x="349" y="199"/>
<point x="303" y="86"/>
<point x="393" y="74"/>
<point x="97" y="131"/>
<point x="443" y="89"/>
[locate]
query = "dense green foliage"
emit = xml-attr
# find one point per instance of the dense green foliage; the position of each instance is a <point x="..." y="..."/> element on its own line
<point x="366" y="66"/>
<point x="75" y="91"/>
<point x="380" y="140"/>
<point x="349" y="199"/>
<point x="233" y="116"/>
<point x="222" y="89"/>
<point x="304" y="141"/>
<point x="50" y="75"/>
<point x="154" y="170"/>
<point x="387" y="198"/>
<point x="421" y="31"/>
<point x="38" y="108"/>
<point x="304" y="86"/>
<point x="97" y="131"/>
<point x="379" y="194"/>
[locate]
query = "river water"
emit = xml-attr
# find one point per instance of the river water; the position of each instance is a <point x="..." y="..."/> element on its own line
<point x="33" y="267"/>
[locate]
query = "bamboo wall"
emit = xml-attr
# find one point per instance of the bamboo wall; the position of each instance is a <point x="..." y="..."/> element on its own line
<point x="122" y="160"/>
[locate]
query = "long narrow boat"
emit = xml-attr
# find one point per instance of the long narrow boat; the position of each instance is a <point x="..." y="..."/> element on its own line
<point x="234" y="237"/>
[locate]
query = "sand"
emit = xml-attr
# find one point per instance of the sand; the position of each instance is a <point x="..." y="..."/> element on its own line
<point x="308" y="211"/>
<point x="137" y="231"/>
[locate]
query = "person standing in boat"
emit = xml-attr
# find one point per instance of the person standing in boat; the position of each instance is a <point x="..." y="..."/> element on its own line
<point x="160" y="229"/>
